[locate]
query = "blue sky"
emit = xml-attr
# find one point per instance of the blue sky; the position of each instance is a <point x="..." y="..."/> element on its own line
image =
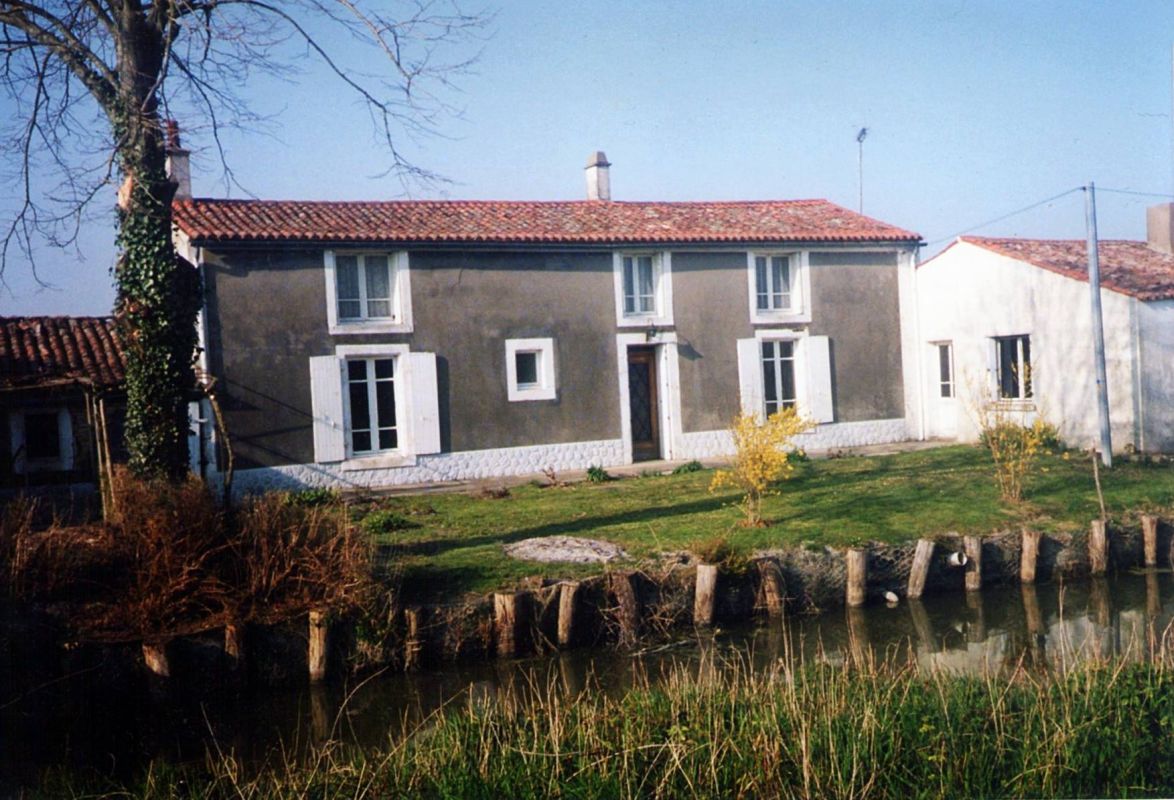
<point x="975" y="109"/>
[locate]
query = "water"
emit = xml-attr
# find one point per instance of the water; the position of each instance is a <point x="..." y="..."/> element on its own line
<point x="98" y="720"/>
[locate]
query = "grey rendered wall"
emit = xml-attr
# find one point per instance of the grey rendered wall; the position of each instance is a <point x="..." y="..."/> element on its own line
<point x="854" y="302"/>
<point x="267" y="316"/>
<point x="711" y="312"/>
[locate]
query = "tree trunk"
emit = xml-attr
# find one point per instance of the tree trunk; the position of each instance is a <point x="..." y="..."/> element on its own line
<point x="157" y="297"/>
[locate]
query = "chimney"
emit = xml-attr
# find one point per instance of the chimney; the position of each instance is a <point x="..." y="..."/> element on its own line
<point x="598" y="181"/>
<point x="179" y="168"/>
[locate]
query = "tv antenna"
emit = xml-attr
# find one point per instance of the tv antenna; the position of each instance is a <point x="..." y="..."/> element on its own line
<point x="860" y="137"/>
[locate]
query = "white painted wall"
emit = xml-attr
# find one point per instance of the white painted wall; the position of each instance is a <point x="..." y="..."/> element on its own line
<point x="1155" y="325"/>
<point x="968" y="294"/>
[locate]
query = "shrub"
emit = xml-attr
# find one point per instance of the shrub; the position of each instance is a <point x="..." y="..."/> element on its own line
<point x="1014" y="448"/>
<point x="313" y="498"/>
<point x="597" y="474"/>
<point x="762" y="457"/>
<point x="686" y="468"/>
<point x="384" y="520"/>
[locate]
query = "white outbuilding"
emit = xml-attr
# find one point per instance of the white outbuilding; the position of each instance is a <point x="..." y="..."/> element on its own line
<point x="1008" y="322"/>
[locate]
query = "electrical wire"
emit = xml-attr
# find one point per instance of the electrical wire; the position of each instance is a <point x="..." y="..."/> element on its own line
<point x="1008" y="216"/>
<point x="1138" y="194"/>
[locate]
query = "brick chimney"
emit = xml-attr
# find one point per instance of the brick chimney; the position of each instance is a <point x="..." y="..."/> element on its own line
<point x="598" y="180"/>
<point x="179" y="168"/>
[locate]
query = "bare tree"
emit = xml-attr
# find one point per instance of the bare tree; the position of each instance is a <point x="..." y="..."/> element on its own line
<point x="93" y="80"/>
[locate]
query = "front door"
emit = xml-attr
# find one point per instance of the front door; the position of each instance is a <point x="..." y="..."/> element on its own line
<point x="642" y="403"/>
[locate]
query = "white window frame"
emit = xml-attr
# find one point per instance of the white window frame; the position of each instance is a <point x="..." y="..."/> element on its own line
<point x="401" y="455"/>
<point x="813" y="378"/>
<point x="937" y="370"/>
<point x="547" y="386"/>
<point x="22" y="464"/>
<point x="794" y="359"/>
<point x="399" y="281"/>
<point x="662" y="279"/>
<point x="799" y="310"/>
<point x="1024" y="381"/>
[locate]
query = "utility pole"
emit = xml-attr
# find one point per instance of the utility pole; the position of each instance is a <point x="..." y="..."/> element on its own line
<point x="1098" y="328"/>
<point x="860" y="164"/>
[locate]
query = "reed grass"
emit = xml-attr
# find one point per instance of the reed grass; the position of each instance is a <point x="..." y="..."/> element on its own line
<point x="875" y="730"/>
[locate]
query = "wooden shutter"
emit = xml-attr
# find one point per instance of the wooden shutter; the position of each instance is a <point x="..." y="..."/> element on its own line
<point x="750" y="376"/>
<point x="327" y="410"/>
<point x="815" y="362"/>
<point x="423" y="403"/>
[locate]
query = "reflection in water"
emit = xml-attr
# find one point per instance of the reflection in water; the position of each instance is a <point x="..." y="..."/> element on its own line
<point x="1048" y="627"/>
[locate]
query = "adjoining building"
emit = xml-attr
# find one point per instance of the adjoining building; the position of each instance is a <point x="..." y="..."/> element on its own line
<point x="1008" y="321"/>
<point x="380" y="343"/>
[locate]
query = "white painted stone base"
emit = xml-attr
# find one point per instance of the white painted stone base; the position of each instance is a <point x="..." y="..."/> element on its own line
<point x="463" y="466"/>
<point x="833" y="436"/>
<point x="477" y="464"/>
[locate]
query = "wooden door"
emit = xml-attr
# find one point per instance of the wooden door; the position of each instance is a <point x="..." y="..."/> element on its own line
<point x="642" y="403"/>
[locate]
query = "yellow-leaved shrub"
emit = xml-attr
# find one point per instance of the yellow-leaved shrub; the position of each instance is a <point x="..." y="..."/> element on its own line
<point x="762" y="457"/>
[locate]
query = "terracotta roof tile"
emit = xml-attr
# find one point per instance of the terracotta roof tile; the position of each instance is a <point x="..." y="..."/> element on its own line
<point x="555" y="222"/>
<point x="1128" y="267"/>
<point x="39" y="350"/>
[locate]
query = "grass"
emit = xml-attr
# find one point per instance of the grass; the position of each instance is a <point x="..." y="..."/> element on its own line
<point x="872" y="730"/>
<point x="455" y="544"/>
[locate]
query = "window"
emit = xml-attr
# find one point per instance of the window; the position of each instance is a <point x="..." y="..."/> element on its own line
<point x="778" y="284"/>
<point x="371" y="405"/>
<point x="778" y="375"/>
<point x="945" y="368"/>
<point x="772" y="283"/>
<point x="368" y="292"/>
<point x="530" y="369"/>
<point x="1013" y="367"/>
<point x="643" y="286"/>
<point x="41" y="440"/>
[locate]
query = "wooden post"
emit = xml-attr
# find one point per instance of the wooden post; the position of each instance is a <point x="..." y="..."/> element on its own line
<point x="568" y="600"/>
<point x="1149" y="535"/>
<point x="627" y="605"/>
<point x="976" y="630"/>
<point x="972" y="545"/>
<point x="773" y="592"/>
<point x="235" y="646"/>
<point x="1153" y="596"/>
<point x="1028" y="556"/>
<point x="857" y="576"/>
<point x="1098" y="547"/>
<point x="316" y="657"/>
<point x="414" y="640"/>
<point x="155" y="657"/>
<point x="922" y="558"/>
<point x="506" y="623"/>
<point x="705" y="594"/>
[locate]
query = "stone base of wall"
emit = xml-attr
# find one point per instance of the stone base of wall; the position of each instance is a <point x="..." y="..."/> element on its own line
<point x="834" y="436"/>
<point x="463" y="466"/>
<point x="507" y="461"/>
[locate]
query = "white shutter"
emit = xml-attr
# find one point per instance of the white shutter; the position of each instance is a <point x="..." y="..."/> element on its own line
<point x="750" y="376"/>
<point x="326" y="404"/>
<point x="815" y="361"/>
<point x="992" y="368"/>
<point x="423" y="403"/>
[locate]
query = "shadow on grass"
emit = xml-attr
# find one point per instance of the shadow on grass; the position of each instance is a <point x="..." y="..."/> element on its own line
<point x="571" y="527"/>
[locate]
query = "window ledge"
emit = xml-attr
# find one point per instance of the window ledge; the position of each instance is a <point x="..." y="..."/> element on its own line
<point x="1005" y="404"/>
<point x="373" y="326"/>
<point x="378" y="461"/>
<point x="644" y="320"/>
<point x="536" y="393"/>
<point x="776" y="317"/>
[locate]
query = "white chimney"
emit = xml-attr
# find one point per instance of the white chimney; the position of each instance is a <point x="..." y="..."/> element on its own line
<point x="598" y="181"/>
<point x="1159" y="227"/>
<point x="179" y="167"/>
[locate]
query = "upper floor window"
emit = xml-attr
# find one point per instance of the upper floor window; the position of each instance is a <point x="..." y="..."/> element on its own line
<point x="368" y="292"/>
<point x="772" y="283"/>
<point x="778" y="285"/>
<point x="1013" y="367"/>
<point x="643" y="289"/>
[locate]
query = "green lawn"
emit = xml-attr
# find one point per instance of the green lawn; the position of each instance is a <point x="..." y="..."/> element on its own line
<point x="455" y="541"/>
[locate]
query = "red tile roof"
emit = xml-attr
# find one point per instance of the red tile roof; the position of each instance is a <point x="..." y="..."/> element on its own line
<point x="43" y="350"/>
<point x="1129" y="267"/>
<point x="555" y="222"/>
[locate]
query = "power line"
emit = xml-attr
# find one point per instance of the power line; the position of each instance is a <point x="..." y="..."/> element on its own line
<point x="1138" y="194"/>
<point x="1008" y="216"/>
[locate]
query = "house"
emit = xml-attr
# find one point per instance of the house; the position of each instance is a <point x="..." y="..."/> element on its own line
<point x="60" y="379"/>
<point x="380" y="343"/>
<point x="1009" y="321"/>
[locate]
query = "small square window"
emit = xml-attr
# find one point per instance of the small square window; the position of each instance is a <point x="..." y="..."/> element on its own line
<point x="530" y="369"/>
<point x="42" y="439"/>
<point x="526" y="368"/>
